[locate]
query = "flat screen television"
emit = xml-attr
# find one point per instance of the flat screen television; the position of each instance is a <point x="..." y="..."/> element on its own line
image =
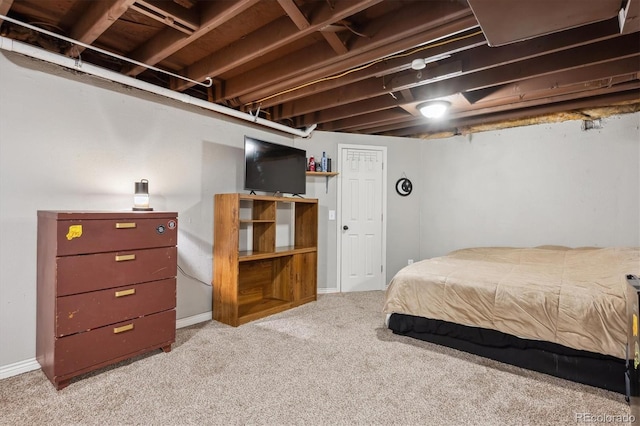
<point x="270" y="167"/>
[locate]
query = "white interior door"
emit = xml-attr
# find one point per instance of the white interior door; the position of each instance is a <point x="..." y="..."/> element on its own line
<point x="362" y="249"/>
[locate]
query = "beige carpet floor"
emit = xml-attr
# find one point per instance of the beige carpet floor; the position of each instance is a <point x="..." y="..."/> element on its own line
<point x="325" y="363"/>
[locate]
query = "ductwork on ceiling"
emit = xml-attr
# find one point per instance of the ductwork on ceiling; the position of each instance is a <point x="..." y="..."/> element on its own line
<point x="507" y="21"/>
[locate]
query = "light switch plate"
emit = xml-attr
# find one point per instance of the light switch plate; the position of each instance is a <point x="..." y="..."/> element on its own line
<point x="332" y="215"/>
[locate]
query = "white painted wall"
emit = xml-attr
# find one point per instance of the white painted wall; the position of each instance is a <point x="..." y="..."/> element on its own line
<point x="75" y="142"/>
<point x="528" y="186"/>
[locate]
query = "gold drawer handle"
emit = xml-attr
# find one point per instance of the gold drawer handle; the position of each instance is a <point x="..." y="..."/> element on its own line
<point x="123" y="257"/>
<point x="123" y="328"/>
<point x="125" y="292"/>
<point x="125" y="225"/>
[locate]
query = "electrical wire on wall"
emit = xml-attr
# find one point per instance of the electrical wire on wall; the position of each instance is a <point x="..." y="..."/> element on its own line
<point x="192" y="277"/>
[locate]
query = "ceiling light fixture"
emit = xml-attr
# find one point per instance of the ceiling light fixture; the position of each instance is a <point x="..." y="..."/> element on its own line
<point x="434" y="109"/>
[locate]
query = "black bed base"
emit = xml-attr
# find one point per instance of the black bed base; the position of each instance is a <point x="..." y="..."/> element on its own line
<point x="589" y="368"/>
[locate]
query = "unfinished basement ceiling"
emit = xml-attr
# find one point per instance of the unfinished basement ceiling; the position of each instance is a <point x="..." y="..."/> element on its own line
<point x="346" y="65"/>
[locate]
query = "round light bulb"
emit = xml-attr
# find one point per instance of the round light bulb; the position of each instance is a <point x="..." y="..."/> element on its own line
<point x="434" y="109"/>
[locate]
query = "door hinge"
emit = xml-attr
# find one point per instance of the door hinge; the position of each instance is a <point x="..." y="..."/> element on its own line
<point x="381" y="268"/>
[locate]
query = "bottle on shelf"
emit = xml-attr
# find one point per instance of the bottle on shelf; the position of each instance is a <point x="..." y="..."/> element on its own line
<point x="312" y="164"/>
<point x="324" y="161"/>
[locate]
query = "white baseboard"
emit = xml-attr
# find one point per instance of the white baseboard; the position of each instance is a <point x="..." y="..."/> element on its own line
<point x="18" y="368"/>
<point x="27" y="365"/>
<point x="194" y="319"/>
<point x="328" y="290"/>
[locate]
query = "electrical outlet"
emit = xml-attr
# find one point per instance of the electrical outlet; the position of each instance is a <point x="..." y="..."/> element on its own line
<point x="409" y="262"/>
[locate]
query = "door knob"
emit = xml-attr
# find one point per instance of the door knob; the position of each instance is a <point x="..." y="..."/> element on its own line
<point x="345" y="227"/>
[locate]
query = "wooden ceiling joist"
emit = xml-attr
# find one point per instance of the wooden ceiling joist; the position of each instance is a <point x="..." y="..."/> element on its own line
<point x="346" y="65"/>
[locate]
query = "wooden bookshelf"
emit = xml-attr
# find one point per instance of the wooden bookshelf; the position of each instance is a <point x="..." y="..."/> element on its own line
<point x="267" y="277"/>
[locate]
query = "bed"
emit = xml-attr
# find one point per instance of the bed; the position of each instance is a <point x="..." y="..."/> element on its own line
<point x="557" y="310"/>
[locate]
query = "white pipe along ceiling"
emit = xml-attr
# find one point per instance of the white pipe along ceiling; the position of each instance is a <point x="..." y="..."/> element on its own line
<point x="44" y="55"/>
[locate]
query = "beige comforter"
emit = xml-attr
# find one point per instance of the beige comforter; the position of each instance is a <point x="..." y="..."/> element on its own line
<point x="574" y="297"/>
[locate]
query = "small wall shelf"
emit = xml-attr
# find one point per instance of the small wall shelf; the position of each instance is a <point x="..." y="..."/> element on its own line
<point x="322" y="174"/>
<point x="327" y="175"/>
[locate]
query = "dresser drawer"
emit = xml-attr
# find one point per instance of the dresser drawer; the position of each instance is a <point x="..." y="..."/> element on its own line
<point x="87" y="311"/>
<point x="98" y="346"/>
<point x="81" y="274"/>
<point x="82" y="236"/>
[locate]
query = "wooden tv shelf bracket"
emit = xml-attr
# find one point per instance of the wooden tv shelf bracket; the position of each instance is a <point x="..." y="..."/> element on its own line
<point x="327" y="175"/>
<point x="268" y="277"/>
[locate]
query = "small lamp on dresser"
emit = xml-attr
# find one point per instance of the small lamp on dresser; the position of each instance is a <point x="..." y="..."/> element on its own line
<point x="141" y="196"/>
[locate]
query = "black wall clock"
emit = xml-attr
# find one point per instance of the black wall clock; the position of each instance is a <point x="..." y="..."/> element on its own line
<point x="404" y="186"/>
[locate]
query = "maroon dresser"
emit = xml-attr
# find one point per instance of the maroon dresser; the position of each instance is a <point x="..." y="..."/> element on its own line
<point x="106" y="288"/>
